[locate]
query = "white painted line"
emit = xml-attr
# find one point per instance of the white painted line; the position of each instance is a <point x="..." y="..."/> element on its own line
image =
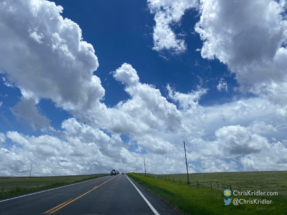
<point x="149" y="204"/>
<point x="48" y="190"/>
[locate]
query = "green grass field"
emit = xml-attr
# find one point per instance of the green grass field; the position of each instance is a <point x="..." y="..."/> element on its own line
<point x="13" y="186"/>
<point x="267" y="181"/>
<point x="191" y="199"/>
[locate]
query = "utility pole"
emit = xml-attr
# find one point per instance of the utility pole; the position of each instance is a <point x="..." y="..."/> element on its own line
<point x="31" y="170"/>
<point x="144" y="167"/>
<point x="186" y="163"/>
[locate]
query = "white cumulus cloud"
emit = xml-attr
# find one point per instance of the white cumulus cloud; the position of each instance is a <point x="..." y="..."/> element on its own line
<point x="52" y="60"/>
<point x="249" y="37"/>
<point x="167" y="13"/>
<point x="44" y="55"/>
<point x="222" y="85"/>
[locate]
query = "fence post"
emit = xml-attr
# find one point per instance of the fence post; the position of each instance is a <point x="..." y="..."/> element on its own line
<point x="197" y="183"/>
<point x="230" y="187"/>
<point x="211" y="186"/>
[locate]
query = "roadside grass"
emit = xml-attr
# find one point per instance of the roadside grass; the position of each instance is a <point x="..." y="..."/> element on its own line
<point x="265" y="181"/>
<point x="15" y="186"/>
<point x="199" y="200"/>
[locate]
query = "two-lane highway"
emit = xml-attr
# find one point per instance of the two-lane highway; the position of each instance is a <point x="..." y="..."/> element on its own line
<point x="107" y="195"/>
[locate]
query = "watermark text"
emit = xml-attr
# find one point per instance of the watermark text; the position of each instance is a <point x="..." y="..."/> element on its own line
<point x="254" y="193"/>
<point x="251" y="202"/>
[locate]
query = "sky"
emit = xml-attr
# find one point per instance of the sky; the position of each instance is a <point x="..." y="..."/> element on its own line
<point x="90" y="86"/>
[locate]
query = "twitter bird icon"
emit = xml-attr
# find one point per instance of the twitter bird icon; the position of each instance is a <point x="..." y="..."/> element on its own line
<point x="227" y="202"/>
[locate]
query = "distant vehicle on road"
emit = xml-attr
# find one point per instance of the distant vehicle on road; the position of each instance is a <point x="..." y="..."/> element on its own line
<point x="114" y="172"/>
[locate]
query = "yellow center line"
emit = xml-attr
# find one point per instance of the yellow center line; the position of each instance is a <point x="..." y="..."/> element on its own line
<point x="58" y="207"/>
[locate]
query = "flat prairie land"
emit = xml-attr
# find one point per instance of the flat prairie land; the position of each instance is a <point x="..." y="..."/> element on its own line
<point x="265" y="181"/>
<point x="13" y="186"/>
<point x="204" y="194"/>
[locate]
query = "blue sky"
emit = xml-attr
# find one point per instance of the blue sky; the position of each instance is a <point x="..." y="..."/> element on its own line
<point x="104" y="85"/>
<point x="117" y="38"/>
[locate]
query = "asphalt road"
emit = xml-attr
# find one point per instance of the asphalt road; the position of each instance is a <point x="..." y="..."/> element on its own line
<point x="107" y="195"/>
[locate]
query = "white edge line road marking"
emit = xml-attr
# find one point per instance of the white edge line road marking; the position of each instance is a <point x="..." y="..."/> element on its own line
<point x="149" y="204"/>
<point x="49" y="190"/>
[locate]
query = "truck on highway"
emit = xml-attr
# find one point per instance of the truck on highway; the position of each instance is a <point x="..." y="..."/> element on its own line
<point x="114" y="172"/>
